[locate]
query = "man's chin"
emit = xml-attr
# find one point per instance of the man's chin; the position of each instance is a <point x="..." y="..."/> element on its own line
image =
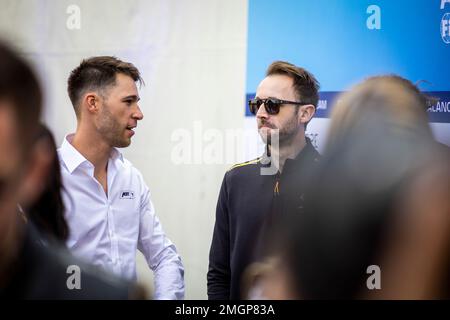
<point x="264" y="132"/>
<point x="122" y="144"/>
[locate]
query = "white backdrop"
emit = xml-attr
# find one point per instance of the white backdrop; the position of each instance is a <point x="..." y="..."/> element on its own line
<point x="192" y="56"/>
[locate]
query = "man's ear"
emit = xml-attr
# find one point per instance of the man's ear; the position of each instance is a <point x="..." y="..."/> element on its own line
<point x="91" y="101"/>
<point x="34" y="180"/>
<point x="305" y="113"/>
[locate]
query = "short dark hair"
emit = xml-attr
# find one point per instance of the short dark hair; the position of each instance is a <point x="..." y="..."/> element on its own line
<point x="97" y="73"/>
<point x="305" y="84"/>
<point x="19" y="85"/>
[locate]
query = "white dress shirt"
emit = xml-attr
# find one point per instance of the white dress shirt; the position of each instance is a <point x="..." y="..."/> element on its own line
<point x="106" y="230"/>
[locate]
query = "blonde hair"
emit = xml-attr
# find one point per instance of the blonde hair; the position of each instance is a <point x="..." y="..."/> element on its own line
<point x="389" y="100"/>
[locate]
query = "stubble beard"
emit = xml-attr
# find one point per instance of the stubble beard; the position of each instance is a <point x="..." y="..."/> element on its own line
<point x="112" y="131"/>
<point x="285" y="135"/>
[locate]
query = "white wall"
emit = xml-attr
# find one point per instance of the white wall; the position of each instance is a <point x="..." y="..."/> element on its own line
<point x="192" y="57"/>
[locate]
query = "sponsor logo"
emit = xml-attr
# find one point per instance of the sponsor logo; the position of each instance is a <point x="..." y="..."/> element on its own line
<point x="127" y="194"/>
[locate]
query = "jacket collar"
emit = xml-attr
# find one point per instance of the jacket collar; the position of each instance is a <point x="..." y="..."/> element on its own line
<point x="308" y="151"/>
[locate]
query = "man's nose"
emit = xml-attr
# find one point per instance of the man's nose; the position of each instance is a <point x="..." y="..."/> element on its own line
<point x="262" y="112"/>
<point x="138" y="114"/>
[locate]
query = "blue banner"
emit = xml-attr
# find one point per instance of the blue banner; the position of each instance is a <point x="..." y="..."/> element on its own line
<point x="342" y="42"/>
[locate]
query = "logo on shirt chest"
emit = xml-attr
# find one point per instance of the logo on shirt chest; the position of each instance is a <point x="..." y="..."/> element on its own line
<point x="126" y="194"/>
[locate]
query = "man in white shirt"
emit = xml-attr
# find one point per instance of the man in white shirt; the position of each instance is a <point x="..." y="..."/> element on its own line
<point x="108" y="205"/>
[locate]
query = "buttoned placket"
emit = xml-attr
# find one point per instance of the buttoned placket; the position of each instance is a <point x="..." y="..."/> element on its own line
<point x="111" y="173"/>
<point x="114" y="243"/>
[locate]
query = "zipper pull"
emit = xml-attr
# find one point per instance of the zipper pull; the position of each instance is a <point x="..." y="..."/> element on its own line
<point x="276" y="189"/>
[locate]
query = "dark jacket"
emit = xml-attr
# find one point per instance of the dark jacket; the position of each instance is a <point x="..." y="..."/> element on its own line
<point x="41" y="272"/>
<point x="248" y="203"/>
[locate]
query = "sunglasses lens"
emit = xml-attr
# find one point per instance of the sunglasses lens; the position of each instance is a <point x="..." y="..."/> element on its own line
<point x="272" y="107"/>
<point x="253" y="106"/>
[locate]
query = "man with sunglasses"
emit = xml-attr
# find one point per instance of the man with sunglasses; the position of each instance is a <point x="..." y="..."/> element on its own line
<point x="257" y="194"/>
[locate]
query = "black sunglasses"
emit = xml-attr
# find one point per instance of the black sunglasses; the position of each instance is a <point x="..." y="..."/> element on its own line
<point x="272" y="105"/>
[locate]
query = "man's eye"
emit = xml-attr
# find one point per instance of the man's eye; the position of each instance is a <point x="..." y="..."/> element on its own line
<point x="128" y="102"/>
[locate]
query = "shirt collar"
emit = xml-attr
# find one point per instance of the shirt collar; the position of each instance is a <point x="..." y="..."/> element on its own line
<point x="116" y="154"/>
<point x="73" y="159"/>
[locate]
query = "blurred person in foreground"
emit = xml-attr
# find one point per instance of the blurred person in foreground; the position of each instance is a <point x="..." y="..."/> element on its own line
<point x="28" y="269"/>
<point x="377" y="224"/>
<point x="47" y="212"/>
